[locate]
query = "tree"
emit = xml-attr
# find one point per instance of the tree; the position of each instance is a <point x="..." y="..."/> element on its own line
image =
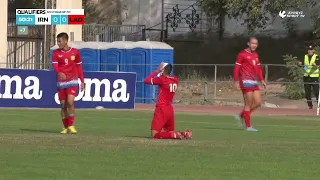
<point x="315" y="16"/>
<point x="294" y="89"/>
<point x="103" y="11"/>
<point x="216" y="9"/>
<point x="25" y="4"/>
<point x="253" y="13"/>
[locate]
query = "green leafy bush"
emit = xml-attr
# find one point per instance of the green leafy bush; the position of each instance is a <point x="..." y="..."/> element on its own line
<point x="294" y="89"/>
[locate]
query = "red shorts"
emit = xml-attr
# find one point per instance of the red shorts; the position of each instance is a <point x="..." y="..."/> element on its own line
<point x="63" y="93"/>
<point x="163" y="119"/>
<point x="246" y="90"/>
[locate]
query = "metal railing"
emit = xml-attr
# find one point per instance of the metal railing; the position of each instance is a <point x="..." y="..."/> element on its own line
<point x="25" y="53"/>
<point x="199" y="83"/>
<point x="32" y="51"/>
<point x="110" y="33"/>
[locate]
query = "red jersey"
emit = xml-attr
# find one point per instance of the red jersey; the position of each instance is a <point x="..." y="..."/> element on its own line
<point x="248" y="69"/>
<point x="167" y="87"/>
<point x="69" y="63"/>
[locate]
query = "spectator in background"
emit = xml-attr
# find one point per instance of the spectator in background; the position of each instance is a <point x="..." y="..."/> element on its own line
<point x="311" y="74"/>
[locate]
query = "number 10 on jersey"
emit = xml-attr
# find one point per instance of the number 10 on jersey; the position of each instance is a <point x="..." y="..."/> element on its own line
<point x="173" y="87"/>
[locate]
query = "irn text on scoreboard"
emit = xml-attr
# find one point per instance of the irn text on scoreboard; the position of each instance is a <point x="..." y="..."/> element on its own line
<point x="49" y="17"/>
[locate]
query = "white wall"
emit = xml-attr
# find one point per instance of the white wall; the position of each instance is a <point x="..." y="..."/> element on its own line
<point x="77" y="29"/>
<point x="3" y="32"/>
<point x="149" y="14"/>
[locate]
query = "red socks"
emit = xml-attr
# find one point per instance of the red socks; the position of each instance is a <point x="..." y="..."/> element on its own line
<point x="65" y="122"/>
<point x="183" y="133"/>
<point x="166" y="135"/>
<point x="246" y="117"/>
<point x="70" y="120"/>
<point x="241" y="115"/>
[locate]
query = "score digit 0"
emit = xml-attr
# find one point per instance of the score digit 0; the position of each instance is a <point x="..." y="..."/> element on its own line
<point x="64" y="19"/>
<point x="55" y="19"/>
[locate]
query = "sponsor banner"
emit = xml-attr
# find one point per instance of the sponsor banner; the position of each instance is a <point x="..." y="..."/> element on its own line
<point x="38" y="89"/>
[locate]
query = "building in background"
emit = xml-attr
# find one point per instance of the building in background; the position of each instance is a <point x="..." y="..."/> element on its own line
<point x="148" y="12"/>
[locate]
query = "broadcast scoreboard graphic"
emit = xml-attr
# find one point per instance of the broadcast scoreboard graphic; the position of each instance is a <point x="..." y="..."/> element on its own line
<point x="31" y="17"/>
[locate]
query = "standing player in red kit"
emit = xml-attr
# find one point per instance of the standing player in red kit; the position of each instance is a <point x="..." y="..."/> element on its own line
<point x="248" y="72"/>
<point x="163" y="124"/>
<point x="67" y="64"/>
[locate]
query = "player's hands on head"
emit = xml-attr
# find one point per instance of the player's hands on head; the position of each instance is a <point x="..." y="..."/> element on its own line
<point x="82" y="85"/>
<point x="61" y="76"/>
<point x="160" y="67"/>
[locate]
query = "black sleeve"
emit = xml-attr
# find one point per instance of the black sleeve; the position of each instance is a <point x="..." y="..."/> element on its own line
<point x="317" y="61"/>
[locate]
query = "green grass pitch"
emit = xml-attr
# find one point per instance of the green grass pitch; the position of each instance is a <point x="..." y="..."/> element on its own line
<point x="113" y="145"/>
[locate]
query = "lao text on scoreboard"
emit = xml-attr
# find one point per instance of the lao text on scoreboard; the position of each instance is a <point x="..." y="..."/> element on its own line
<point x="49" y="17"/>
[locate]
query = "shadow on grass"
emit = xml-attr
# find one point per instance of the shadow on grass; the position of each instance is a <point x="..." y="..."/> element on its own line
<point x="40" y="131"/>
<point x="141" y="137"/>
<point x="222" y="128"/>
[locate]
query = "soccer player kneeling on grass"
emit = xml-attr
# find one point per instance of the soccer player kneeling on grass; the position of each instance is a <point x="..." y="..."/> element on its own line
<point x="67" y="64"/>
<point x="249" y="72"/>
<point x="163" y="118"/>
